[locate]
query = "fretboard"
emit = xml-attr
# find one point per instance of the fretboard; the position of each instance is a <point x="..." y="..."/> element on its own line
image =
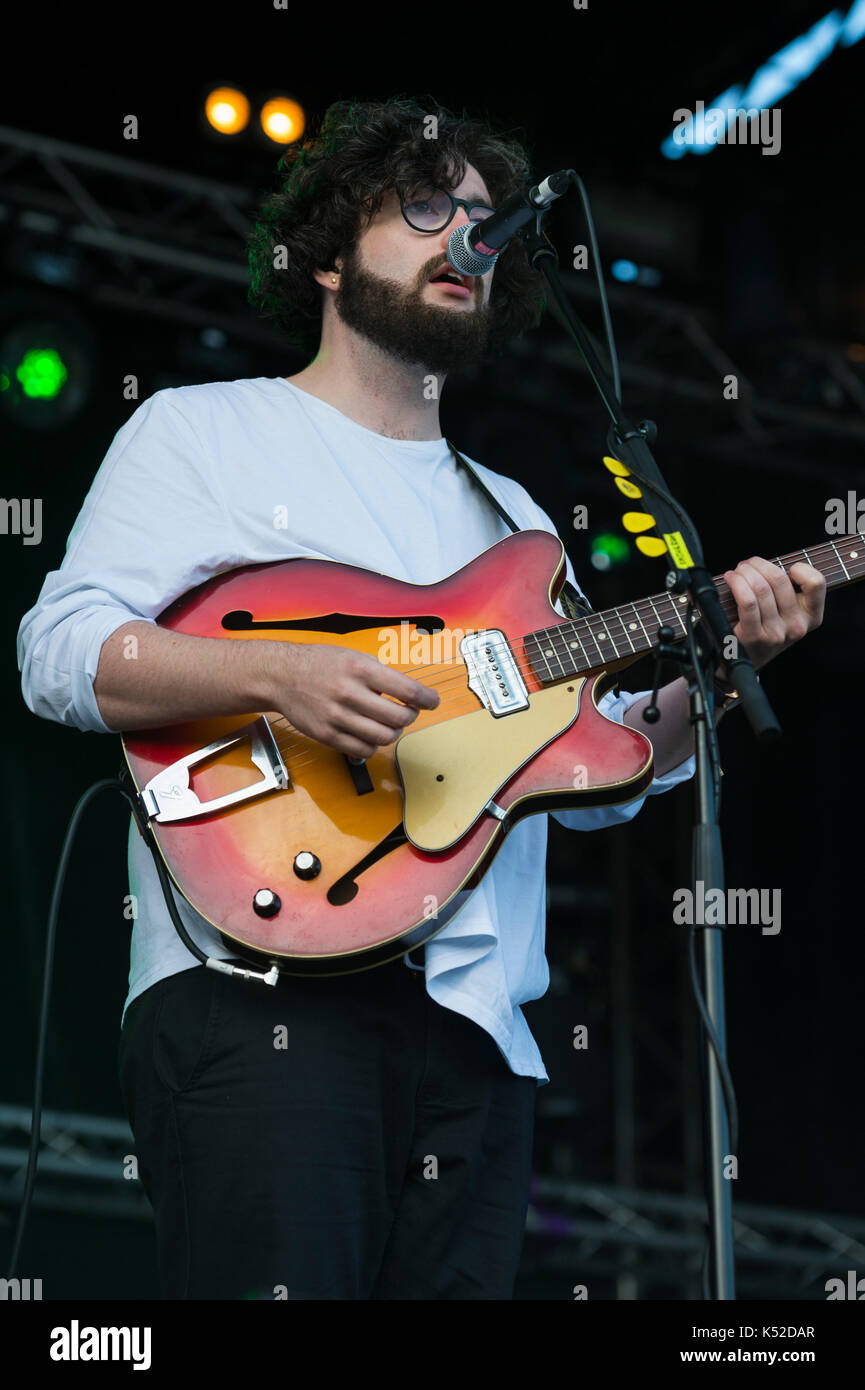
<point x="591" y="643"/>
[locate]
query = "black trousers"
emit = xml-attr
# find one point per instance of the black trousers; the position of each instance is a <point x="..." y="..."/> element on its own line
<point x="341" y="1138"/>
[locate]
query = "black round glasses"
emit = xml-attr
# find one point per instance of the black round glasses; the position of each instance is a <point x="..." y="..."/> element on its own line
<point x="431" y="209"/>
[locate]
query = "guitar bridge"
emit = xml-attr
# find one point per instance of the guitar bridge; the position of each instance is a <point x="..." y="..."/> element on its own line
<point x="169" y="797"/>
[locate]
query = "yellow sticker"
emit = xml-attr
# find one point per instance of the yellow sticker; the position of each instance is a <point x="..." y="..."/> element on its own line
<point x="651" y="545"/>
<point x="679" y="551"/>
<point x="616" y="467"/>
<point x="637" y="521"/>
<point x="629" y="489"/>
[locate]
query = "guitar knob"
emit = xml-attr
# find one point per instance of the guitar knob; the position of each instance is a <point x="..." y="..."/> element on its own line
<point x="266" y="903"/>
<point x="306" y="865"/>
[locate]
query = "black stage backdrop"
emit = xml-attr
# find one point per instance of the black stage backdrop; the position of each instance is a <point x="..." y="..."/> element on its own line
<point x="763" y="252"/>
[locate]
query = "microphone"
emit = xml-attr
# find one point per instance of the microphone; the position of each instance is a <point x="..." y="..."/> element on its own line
<point x="473" y="250"/>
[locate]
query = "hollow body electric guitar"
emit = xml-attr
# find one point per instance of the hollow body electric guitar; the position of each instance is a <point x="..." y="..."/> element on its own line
<point x="304" y="858"/>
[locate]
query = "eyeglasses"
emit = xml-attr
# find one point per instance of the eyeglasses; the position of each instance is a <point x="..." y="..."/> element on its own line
<point x="431" y="209"/>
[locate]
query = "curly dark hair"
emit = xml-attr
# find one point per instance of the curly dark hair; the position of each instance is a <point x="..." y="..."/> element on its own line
<point x="334" y="185"/>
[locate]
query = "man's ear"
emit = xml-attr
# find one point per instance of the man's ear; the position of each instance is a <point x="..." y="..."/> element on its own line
<point x="329" y="277"/>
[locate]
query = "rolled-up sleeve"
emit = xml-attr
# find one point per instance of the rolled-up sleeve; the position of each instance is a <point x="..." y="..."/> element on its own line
<point x="152" y="526"/>
<point x="614" y="705"/>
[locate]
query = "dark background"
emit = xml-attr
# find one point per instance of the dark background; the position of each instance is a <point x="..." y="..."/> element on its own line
<point x="766" y="253"/>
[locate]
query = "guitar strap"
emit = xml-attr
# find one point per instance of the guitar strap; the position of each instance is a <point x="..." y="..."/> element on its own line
<point x="573" y="604"/>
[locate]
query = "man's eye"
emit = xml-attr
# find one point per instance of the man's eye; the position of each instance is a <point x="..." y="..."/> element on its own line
<point x="420" y="205"/>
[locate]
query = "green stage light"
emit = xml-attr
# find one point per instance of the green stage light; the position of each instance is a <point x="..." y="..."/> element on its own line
<point x="47" y="360"/>
<point x="608" y="549"/>
<point x="42" y="374"/>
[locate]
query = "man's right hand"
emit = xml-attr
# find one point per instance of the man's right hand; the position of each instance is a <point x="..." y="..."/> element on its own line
<point x="339" y="696"/>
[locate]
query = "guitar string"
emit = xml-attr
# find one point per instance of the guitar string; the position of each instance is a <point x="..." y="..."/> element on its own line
<point x="837" y="569"/>
<point x="461" y="692"/>
<point x="558" y="631"/>
<point x="640" y="607"/>
<point x="458" y="679"/>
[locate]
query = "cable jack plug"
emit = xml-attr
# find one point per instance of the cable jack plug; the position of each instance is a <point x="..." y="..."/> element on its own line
<point x="227" y="969"/>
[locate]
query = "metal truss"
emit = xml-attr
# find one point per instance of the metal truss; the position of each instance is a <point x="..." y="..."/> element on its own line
<point x="651" y="1242"/>
<point x="689" y="366"/>
<point x="83" y="1164"/>
<point x="645" y="1240"/>
<point x="150" y="240"/>
<point x="130" y="235"/>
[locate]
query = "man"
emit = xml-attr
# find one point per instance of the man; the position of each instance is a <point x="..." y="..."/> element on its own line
<point x="382" y="1149"/>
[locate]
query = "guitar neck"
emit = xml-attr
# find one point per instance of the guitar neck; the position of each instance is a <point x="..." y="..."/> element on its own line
<point x="615" y="634"/>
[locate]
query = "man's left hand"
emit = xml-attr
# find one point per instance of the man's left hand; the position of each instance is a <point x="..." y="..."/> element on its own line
<point x="772" y="615"/>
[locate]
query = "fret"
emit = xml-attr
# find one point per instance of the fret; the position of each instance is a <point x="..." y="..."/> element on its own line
<point x="558" y="637"/>
<point x="614" y="612"/>
<point x="604" y="637"/>
<point x="588" y="628"/>
<point x="608" y="634"/>
<point x="840" y="561"/>
<point x="549" y="649"/>
<point x="576" y="643"/>
<point x="536" y="638"/>
<point x="633" y="608"/>
<point x="678" y="606"/>
<point x="661" y="621"/>
<point x="565" y="650"/>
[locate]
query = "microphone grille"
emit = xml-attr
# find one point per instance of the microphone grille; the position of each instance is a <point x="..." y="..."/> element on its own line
<point x="463" y="258"/>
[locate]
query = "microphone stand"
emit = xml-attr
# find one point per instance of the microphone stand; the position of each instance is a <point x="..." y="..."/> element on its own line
<point x="687" y="574"/>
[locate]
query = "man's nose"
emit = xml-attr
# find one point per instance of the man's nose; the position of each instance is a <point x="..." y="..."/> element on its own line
<point x="459" y="219"/>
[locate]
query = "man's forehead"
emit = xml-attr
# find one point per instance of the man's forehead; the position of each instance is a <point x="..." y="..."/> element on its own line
<point x="471" y="186"/>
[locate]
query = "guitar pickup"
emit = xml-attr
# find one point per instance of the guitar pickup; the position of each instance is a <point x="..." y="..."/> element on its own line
<point x="169" y="797"/>
<point x="493" y="672"/>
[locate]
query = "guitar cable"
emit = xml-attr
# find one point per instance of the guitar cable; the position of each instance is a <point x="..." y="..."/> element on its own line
<point x="706" y="691"/>
<point x="122" y="783"/>
<point x="42" y="1028"/>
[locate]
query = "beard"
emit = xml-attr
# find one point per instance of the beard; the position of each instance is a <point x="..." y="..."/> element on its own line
<point x="399" y="322"/>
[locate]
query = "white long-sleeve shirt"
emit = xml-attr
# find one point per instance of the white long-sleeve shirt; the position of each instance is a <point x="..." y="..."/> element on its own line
<point x="192" y="485"/>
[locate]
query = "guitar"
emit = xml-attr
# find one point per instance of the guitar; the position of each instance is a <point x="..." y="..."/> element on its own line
<point x="305" y="858"/>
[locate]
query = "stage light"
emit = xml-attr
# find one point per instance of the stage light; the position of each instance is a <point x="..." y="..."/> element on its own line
<point x="608" y="549"/>
<point x="283" y="120"/>
<point x="42" y="373"/>
<point x="783" y="72"/>
<point x="628" y="273"/>
<point x="46" y="369"/>
<point x="227" y="110"/>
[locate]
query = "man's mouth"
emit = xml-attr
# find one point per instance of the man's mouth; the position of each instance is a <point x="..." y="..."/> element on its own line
<point x="452" y="282"/>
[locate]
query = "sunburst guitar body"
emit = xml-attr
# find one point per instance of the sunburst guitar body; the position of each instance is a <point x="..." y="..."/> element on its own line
<point x="318" y="864"/>
<point x="300" y="856"/>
